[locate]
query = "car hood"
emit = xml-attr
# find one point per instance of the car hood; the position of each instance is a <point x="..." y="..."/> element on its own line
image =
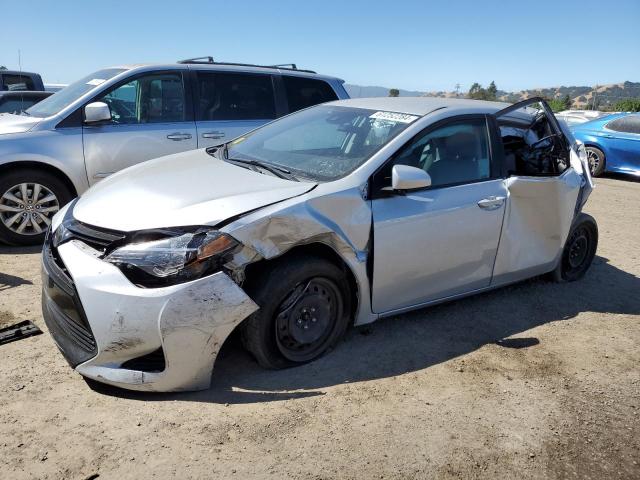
<point x="10" y="123"/>
<point x="191" y="188"/>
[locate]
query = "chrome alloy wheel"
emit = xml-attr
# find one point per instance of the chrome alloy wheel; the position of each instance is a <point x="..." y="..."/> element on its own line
<point x="594" y="160"/>
<point x="27" y="208"/>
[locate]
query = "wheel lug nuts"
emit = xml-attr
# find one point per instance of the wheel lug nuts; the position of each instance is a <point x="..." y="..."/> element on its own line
<point x="306" y="327"/>
<point x="314" y="319"/>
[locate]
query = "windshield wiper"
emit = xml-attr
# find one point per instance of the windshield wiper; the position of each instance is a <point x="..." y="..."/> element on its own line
<point x="276" y="170"/>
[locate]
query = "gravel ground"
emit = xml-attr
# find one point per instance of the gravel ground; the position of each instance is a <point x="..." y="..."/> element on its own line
<point x="536" y="380"/>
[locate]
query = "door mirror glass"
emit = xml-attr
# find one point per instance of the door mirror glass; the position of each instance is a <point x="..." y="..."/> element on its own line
<point x="97" y="112"/>
<point x="404" y="177"/>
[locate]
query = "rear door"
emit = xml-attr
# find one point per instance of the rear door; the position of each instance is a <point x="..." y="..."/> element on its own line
<point x="150" y="117"/>
<point x="545" y="182"/>
<point x="229" y="104"/>
<point x="623" y="140"/>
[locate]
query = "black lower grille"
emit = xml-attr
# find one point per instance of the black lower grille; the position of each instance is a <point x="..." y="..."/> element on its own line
<point x="63" y="312"/>
<point x="151" y="362"/>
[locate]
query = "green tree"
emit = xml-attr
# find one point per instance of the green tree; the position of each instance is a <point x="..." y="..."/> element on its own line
<point x="566" y="102"/>
<point x="2" y="67"/>
<point x="556" y="104"/>
<point x="476" y="92"/>
<point x="628" y="105"/>
<point x="394" y="92"/>
<point x="492" y="91"/>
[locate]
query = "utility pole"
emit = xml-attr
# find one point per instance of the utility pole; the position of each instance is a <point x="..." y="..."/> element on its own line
<point x="595" y="97"/>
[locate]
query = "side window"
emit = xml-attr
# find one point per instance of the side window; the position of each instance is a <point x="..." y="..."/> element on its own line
<point x="16" y="105"/>
<point x="17" y="82"/>
<point x="234" y="96"/>
<point x="156" y="98"/>
<point x="452" y="154"/>
<point x="305" y="92"/>
<point x="628" y="124"/>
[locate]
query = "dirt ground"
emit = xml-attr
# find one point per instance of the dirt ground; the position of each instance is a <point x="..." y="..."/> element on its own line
<point x="536" y="380"/>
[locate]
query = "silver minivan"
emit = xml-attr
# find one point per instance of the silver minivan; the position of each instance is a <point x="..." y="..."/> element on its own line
<point x="121" y="116"/>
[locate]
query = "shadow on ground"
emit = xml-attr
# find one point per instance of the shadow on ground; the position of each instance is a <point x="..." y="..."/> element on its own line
<point x="10" y="281"/>
<point x="418" y="340"/>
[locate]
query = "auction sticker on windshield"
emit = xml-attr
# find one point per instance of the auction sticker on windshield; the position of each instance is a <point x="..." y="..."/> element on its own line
<point x="394" y="117"/>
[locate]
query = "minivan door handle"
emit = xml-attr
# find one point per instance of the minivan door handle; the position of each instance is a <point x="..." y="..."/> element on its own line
<point x="213" y="135"/>
<point x="176" y="137"/>
<point x="491" y="203"/>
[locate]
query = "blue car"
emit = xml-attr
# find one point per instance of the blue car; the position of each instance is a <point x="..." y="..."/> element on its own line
<point x="612" y="143"/>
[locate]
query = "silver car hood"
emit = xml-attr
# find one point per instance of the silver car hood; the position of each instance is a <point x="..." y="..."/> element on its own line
<point x="191" y="188"/>
<point x="10" y="123"/>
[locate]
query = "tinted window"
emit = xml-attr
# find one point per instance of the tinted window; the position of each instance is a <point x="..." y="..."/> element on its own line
<point x="15" y="105"/>
<point x="235" y="96"/>
<point x="305" y="92"/>
<point x="155" y="98"/>
<point x="17" y="82"/>
<point x="629" y="124"/>
<point x="455" y="153"/>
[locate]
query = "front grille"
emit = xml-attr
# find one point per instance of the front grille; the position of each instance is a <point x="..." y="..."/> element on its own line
<point x="98" y="239"/>
<point x="62" y="310"/>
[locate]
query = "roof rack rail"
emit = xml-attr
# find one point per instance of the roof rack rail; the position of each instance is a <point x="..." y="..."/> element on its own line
<point x="208" y="60"/>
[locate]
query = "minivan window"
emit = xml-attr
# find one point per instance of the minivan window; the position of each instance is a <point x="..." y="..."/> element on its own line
<point x="234" y="96"/>
<point x="65" y="97"/>
<point x="304" y="92"/>
<point x="153" y="98"/>
<point x="17" y="82"/>
<point x="628" y="124"/>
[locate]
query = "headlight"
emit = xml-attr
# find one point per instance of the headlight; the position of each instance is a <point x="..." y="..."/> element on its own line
<point x="175" y="259"/>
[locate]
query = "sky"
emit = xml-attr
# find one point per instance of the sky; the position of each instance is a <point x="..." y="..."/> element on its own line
<point x="416" y="45"/>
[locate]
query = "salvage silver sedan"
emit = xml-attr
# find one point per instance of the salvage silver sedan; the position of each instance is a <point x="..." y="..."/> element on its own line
<point x="339" y="214"/>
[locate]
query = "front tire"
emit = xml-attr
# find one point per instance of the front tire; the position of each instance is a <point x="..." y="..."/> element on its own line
<point x="28" y="200"/>
<point x="579" y="250"/>
<point x="596" y="159"/>
<point x="304" y="311"/>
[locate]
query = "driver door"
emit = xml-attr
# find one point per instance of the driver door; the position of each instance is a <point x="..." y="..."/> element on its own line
<point x="439" y="241"/>
<point x="150" y="117"/>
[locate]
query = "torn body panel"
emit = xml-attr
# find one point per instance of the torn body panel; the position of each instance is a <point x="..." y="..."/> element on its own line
<point x="540" y="211"/>
<point x="340" y="220"/>
<point x="189" y="321"/>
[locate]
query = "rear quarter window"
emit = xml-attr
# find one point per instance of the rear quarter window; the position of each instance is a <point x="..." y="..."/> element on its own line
<point x="17" y="82"/>
<point x="630" y="124"/>
<point x="306" y="92"/>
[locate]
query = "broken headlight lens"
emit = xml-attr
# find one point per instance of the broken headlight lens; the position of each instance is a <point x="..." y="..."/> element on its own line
<point x="175" y="259"/>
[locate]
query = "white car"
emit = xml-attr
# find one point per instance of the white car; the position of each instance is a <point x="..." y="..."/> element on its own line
<point x="339" y="214"/>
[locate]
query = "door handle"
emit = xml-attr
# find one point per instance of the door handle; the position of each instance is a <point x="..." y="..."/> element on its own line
<point x="176" y="137"/>
<point x="491" y="203"/>
<point x="213" y="135"/>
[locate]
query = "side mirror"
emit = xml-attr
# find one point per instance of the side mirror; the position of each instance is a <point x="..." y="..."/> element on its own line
<point x="404" y="177"/>
<point x="97" y="112"/>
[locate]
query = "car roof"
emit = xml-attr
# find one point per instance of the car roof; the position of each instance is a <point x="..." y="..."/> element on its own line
<point x="226" y="67"/>
<point x="422" y="105"/>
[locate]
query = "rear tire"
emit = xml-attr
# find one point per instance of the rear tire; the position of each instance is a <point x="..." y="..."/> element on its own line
<point x="24" y="221"/>
<point x="304" y="311"/>
<point x="596" y="159"/>
<point x="579" y="250"/>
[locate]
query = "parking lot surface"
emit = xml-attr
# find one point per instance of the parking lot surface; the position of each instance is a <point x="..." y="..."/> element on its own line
<point x="536" y="380"/>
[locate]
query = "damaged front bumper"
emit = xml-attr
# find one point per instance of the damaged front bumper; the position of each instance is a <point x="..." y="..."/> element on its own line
<point x="149" y="339"/>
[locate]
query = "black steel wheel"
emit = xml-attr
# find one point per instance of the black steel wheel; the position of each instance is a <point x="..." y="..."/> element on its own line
<point x="579" y="250"/>
<point x="304" y="311"/>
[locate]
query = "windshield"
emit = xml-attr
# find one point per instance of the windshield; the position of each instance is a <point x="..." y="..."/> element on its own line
<point x="321" y="143"/>
<point x="68" y="95"/>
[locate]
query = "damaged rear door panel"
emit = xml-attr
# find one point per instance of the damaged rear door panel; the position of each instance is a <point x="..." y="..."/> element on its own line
<point x="546" y="186"/>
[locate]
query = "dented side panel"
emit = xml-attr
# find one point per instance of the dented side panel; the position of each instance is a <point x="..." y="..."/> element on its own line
<point x="540" y="211"/>
<point x="340" y="220"/>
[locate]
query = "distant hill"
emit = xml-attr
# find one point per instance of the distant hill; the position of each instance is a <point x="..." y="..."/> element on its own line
<point x="358" y="91"/>
<point x="581" y="96"/>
